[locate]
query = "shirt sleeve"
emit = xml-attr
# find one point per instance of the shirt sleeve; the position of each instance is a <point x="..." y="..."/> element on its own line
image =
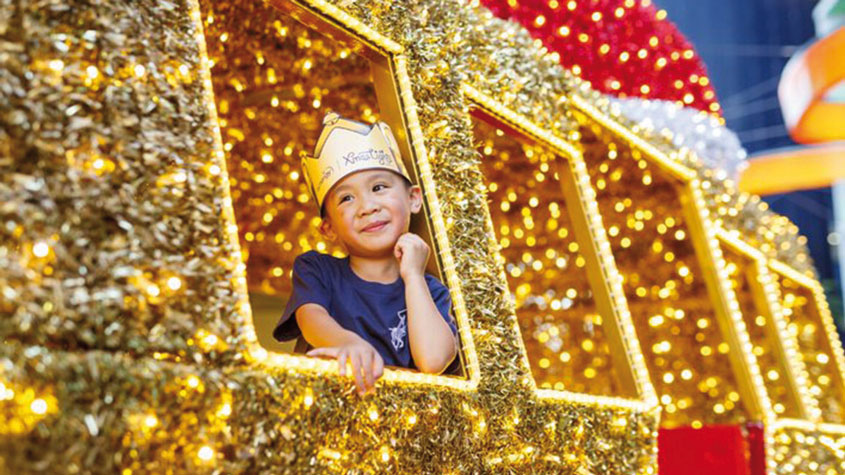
<point x="309" y="286"/>
<point x="443" y="301"/>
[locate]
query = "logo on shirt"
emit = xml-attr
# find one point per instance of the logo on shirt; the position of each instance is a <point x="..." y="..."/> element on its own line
<point x="398" y="333"/>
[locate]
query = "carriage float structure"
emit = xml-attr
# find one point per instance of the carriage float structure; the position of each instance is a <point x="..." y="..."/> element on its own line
<point x="618" y="304"/>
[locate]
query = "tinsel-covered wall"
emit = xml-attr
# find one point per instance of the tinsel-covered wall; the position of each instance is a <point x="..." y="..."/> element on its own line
<point x="665" y="284"/>
<point x="779" y="315"/>
<point x="774" y="235"/>
<point x="118" y="262"/>
<point x="111" y="236"/>
<point x="128" y="343"/>
<point x="546" y="266"/>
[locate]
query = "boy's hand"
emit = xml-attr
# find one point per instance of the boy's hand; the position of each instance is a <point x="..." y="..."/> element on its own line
<point x="367" y="365"/>
<point x="412" y="253"/>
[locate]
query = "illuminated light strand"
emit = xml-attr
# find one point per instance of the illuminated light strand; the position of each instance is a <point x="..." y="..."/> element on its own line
<point x="440" y="232"/>
<point x="614" y="279"/>
<point x="361" y="30"/>
<point x="819" y="299"/>
<point x="519" y="122"/>
<point x="661" y="158"/>
<point x="648" y="397"/>
<point x="794" y="364"/>
<point x="480" y="98"/>
<point x="728" y="299"/>
<point x="809" y="426"/>
<point x="758" y="385"/>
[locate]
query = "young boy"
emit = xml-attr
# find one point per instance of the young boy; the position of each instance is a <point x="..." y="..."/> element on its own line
<point x="377" y="306"/>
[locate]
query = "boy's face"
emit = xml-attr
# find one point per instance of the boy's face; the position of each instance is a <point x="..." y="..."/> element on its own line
<point x="368" y="211"/>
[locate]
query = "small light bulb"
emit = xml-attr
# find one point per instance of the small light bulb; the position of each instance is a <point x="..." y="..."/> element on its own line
<point x="174" y="283"/>
<point x="205" y="453"/>
<point x="39" y="406"/>
<point x="41" y="249"/>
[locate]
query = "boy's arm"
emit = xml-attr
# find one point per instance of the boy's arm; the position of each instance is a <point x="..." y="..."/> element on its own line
<point x="320" y="329"/>
<point x="330" y="339"/>
<point x="432" y="343"/>
<point x="433" y="346"/>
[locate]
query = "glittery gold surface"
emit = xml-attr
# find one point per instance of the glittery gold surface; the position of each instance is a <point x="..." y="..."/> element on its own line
<point x="563" y="331"/>
<point x="676" y="323"/>
<point x="775" y="372"/>
<point x="126" y="345"/>
<point x="774" y="235"/>
<point x="801" y="312"/>
<point x="110" y="235"/>
<point x="802" y="449"/>
<point x="114" y="219"/>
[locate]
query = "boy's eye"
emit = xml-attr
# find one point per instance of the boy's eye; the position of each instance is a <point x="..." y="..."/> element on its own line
<point x="379" y="187"/>
<point x="344" y="198"/>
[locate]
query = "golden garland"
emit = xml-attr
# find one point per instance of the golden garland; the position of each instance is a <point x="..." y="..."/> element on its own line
<point x="121" y="281"/>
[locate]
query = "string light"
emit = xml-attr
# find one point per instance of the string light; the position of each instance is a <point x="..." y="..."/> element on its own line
<point x="41" y="249"/>
<point x="774" y="347"/>
<point x="659" y="292"/>
<point x="174" y="283"/>
<point x="541" y="276"/>
<point x="183" y="368"/>
<point x="151" y="421"/>
<point x="552" y="338"/>
<point x="205" y="453"/>
<point x="808" y="321"/>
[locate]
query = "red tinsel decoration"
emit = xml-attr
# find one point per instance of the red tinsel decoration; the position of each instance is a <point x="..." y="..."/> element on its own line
<point x="623" y="47"/>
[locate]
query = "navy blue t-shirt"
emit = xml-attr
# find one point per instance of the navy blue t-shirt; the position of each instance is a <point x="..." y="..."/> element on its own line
<point x="374" y="311"/>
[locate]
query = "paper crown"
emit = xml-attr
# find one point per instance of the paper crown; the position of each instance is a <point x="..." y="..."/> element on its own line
<point x="347" y="146"/>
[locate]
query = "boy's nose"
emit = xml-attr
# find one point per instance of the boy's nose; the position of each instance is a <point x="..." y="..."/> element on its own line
<point x="368" y="207"/>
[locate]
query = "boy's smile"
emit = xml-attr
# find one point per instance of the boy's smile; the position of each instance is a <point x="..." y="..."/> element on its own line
<point x="367" y="212"/>
<point x="375" y="227"/>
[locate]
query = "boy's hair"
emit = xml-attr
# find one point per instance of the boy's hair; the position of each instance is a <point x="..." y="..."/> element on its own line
<point x="347" y="146"/>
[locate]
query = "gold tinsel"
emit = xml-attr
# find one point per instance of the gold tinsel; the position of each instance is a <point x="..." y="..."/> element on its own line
<point x="117" y="275"/>
<point x="775" y="372"/>
<point x="774" y="235"/>
<point x="125" y="346"/>
<point x="563" y="331"/>
<point x="664" y="285"/>
<point x="802" y="318"/>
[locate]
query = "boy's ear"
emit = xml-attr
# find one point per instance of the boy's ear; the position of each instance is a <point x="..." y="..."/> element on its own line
<point x="416" y="198"/>
<point x="326" y="229"/>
